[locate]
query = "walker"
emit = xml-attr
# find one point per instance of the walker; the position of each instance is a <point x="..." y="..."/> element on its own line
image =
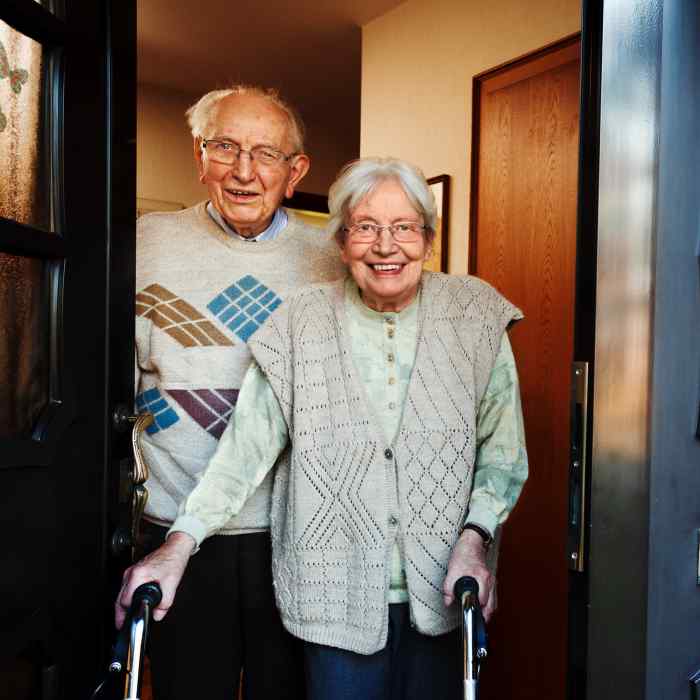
<point x="125" y="670"/>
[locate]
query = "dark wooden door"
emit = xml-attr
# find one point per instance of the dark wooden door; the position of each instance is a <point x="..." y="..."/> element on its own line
<point x="67" y="210"/>
<point x="524" y="242"/>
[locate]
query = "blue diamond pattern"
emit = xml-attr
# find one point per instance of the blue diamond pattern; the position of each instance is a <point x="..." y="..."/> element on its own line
<point x="218" y="304"/>
<point x="247" y="283"/>
<point x="226" y="314"/>
<point x="237" y="321"/>
<point x="244" y="332"/>
<point x="164" y="416"/>
<point x="244" y="306"/>
<point x="233" y="292"/>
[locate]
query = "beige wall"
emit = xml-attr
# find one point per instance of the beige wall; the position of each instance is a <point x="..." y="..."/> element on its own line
<point x="165" y="168"/>
<point x="331" y="143"/>
<point x="418" y="62"/>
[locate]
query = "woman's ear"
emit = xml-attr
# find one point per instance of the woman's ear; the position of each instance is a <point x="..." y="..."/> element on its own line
<point x="343" y="254"/>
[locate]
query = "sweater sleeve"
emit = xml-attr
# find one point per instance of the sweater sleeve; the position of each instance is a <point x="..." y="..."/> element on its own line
<point x="249" y="447"/>
<point x="501" y="465"/>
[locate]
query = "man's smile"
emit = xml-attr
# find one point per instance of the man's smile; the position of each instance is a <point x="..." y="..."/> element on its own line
<point x="241" y="195"/>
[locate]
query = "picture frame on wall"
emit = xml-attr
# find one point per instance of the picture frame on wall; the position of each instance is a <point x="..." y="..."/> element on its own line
<point x="438" y="261"/>
<point x="310" y="208"/>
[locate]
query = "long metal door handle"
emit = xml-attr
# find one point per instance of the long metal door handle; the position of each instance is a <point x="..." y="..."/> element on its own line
<point x="141" y="422"/>
<point x="133" y="478"/>
<point x="578" y="467"/>
<point x="139" y="496"/>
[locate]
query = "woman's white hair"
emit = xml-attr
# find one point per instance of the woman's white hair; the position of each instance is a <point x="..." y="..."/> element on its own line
<point x="359" y="177"/>
<point x="201" y="113"/>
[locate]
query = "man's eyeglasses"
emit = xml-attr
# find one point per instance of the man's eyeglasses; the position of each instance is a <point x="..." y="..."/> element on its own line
<point x="401" y="231"/>
<point x="228" y="153"/>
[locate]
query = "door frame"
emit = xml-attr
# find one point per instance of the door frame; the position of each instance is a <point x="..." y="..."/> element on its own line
<point x="585" y="282"/>
<point x="644" y="597"/>
<point x="59" y="601"/>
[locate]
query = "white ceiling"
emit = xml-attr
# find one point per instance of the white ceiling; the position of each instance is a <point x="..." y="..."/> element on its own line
<point x="310" y="49"/>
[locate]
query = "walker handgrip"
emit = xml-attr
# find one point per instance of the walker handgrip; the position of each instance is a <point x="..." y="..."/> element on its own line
<point x="466" y="584"/>
<point x="147" y="593"/>
<point x="466" y="591"/>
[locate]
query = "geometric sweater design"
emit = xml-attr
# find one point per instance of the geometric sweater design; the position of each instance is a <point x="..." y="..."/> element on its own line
<point x="242" y="307"/>
<point x="177" y="318"/>
<point x="202" y="294"/>
<point x="211" y="408"/>
<point x="152" y="401"/>
<point x="345" y="496"/>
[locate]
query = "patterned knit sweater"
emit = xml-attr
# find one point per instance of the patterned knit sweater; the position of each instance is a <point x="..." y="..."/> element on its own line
<point x="201" y="296"/>
<point x="346" y="494"/>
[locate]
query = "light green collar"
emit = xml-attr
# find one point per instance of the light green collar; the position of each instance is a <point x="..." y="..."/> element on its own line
<point x="362" y="311"/>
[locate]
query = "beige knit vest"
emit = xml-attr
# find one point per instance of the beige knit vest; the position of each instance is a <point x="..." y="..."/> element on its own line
<point x="346" y="495"/>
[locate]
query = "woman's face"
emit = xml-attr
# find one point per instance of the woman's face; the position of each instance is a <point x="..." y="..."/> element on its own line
<point x="386" y="271"/>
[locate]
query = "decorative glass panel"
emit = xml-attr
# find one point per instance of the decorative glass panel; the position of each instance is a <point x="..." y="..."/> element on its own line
<point x="23" y="344"/>
<point x="24" y="185"/>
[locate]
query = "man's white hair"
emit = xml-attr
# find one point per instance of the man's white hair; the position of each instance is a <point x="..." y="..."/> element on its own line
<point x="200" y="114"/>
<point x="359" y="177"/>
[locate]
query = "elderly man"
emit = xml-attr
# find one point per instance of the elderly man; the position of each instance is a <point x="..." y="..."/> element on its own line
<point x="207" y="279"/>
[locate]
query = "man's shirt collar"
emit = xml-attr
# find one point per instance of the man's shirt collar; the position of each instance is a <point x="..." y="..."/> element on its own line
<point x="279" y="221"/>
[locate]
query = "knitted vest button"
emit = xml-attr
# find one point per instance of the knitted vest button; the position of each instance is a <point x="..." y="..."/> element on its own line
<point x="388" y="453"/>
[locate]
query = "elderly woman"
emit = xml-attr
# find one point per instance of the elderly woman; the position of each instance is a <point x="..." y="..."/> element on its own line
<point x="390" y="403"/>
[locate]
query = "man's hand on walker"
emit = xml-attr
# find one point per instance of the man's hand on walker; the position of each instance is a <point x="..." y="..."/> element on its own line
<point x="166" y="565"/>
<point x="468" y="558"/>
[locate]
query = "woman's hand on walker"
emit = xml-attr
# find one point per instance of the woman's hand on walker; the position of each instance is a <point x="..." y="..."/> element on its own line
<point x="468" y="558"/>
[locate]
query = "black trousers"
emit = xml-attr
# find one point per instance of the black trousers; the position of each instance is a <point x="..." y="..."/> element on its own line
<point x="224" y="619"/>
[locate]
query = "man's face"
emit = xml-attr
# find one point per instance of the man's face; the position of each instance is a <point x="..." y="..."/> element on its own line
<point x="246" y="193"/>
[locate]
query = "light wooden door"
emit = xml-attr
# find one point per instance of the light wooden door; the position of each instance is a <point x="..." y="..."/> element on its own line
<point x="524" y="243"/>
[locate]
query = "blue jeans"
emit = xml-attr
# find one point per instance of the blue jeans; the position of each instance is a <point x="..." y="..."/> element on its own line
<point x="412" y="666"/>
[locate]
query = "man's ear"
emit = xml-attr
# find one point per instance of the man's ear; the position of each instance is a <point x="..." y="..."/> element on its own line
<point x="198" y="158"/>
<point x="300" y="165"/>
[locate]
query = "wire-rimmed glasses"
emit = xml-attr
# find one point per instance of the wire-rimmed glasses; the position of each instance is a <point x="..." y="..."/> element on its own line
<point x="401" y="231"/>
<point x="228" y="153"/>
